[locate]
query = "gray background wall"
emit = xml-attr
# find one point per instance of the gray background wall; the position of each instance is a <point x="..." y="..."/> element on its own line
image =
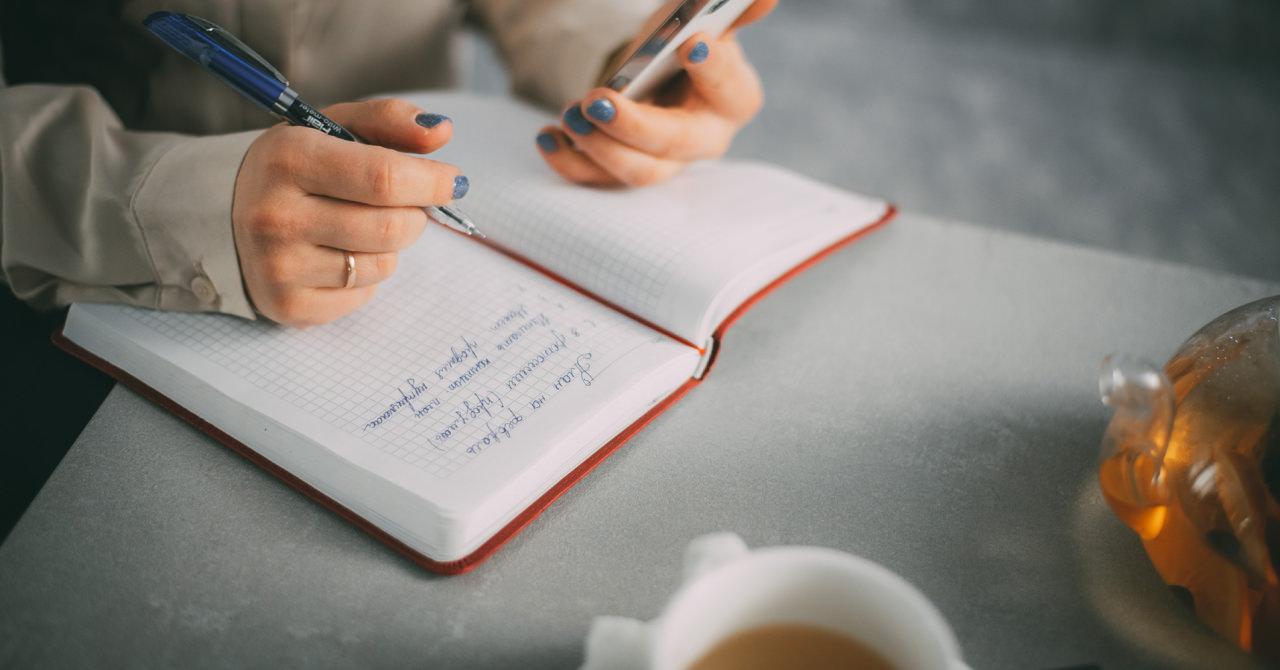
<point x="1147" y="126"/>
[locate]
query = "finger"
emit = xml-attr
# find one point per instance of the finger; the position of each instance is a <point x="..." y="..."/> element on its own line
<point x="356" y="227"/>
<point x="665" y="132"/>
<point x="369" y="174"/>
<point x="573" y="165"/>
<point x="394" y="124"/>
<point x="721" y="76"/>
<point x="312" y="307"/>
<point x="326" y="267"/>
<point x="758" y="10"/>
<point x="628" y="164"/>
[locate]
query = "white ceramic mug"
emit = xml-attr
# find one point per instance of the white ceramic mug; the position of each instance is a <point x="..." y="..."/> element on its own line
<point x="728" y="589"/>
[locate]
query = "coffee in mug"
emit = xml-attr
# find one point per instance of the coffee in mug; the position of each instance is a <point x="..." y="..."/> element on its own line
<point x="790" y="646"/>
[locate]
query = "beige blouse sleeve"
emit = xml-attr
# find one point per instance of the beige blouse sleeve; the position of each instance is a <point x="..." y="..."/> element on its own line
<point x="92" y="212"/>
<point x="555" y="49"/>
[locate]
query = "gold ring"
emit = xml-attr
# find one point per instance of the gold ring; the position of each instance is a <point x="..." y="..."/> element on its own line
<point x="351" y="269"/>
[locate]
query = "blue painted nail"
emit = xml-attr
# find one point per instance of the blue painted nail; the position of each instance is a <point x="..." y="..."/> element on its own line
<point x="602" y="109"/>
<point x="430" y="120"/>
<point x="460" y="186"/>
<point x="547" y="142"/>
<point x="577" y="122"/>
<point x="699" y="53"/>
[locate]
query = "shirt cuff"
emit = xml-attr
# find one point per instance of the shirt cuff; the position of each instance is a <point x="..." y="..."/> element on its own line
<point x="183" y="208"/>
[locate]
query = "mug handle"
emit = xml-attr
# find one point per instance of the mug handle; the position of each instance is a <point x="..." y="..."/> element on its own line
<point x="621" y="643"/>
<point x="711" y="551"/>
<point x="617" y="643"/>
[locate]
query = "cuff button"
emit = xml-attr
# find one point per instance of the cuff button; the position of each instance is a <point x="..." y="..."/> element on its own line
<point x="203" y="288"/>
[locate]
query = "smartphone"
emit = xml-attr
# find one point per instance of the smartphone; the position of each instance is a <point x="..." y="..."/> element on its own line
<point x="653" y="61"/>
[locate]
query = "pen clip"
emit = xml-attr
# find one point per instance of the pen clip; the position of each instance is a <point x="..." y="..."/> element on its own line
<point x="231" y="43"/>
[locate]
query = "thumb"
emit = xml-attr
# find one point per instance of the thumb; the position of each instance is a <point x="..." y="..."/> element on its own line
<point x="394" y="124"/>
<point x="755" y="12"/>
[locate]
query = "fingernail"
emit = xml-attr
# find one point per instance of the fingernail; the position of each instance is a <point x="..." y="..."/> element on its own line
<point x="430" y="120"/>
<point x="699" y="52"/>
<point x="547" y="142"/>
<point x="602" y="109"/>
<point x="577" y="122"/>
<point x="460" y="186"/>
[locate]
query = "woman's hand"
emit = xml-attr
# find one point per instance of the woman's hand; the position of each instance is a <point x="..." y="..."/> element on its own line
<point x="609" y="140"/>
<point x="303" y="199"/>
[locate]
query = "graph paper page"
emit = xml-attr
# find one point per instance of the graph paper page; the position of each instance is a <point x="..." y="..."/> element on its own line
<point x="681" y="254"/>
<point x="466" y="373"/>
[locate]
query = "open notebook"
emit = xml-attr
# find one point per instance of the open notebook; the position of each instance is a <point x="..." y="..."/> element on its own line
<point x="487" y="377"/>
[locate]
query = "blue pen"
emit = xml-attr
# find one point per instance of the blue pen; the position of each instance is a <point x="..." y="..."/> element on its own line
<point x="232" y="61"/>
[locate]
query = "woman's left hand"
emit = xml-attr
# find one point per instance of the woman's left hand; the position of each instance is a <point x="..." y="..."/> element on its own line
<point x="609" y="140"/>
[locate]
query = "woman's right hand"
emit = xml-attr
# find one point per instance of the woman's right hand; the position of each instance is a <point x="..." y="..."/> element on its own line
<point x="303" y="199"/>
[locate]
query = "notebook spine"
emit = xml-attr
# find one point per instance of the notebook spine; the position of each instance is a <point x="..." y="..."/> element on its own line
<point x="708" y="353"/>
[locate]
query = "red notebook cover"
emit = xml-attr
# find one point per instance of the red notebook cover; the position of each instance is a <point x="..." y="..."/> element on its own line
<point x="526" y="517"/>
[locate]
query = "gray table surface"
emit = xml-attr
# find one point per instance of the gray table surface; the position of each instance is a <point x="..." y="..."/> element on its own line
<point x="925" y="399"/>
